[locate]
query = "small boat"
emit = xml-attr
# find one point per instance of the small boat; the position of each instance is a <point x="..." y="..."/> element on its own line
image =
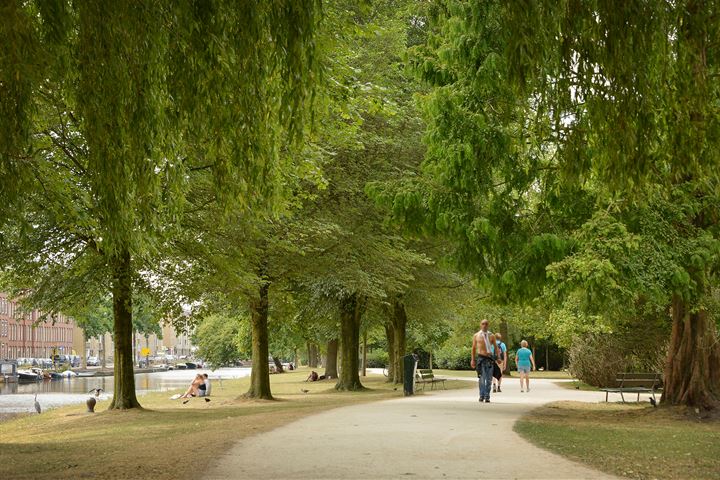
<point x="68" y="374"/>
<point x="28" y="376"/>
<point x="55" y="376"/>
<point x="86" y="374"/>
<point x="181" y="366"/>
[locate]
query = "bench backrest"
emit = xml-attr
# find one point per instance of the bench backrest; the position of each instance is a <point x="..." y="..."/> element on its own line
<point x="425" y="374"/>
<point x="640" y="380"/>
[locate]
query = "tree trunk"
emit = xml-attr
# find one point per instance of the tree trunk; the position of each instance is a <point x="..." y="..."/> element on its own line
<point x="124" y="383"/>
<point x="312" y="355"/>
<point x="364" y="354"/>
<point x="692" y="371"/>
<point x="351" y="310"/>
<point x="260" y="372"/>
<point x="390" y="337"/>
<point x="83" y="355"/>
<point x="399" y="320"/>
<point x="103" y="364"/>
<point x="332" y="354"/>
<point x="278" y="365"/>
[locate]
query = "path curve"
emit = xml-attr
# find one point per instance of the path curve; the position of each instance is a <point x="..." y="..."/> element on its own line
<point x="446" y="434"/>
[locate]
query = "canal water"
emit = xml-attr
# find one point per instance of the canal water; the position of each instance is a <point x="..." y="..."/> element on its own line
<point x="19" y="397"/>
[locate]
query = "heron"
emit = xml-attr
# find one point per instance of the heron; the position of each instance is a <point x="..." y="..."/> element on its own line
<point x="37" y="405"/>
<point x="96" y="391"/>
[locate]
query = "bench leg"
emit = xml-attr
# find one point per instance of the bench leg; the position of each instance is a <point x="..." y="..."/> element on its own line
<point x="606" y="397"/>
<point x="638" y="400"/>
<point x="622" y="396"/>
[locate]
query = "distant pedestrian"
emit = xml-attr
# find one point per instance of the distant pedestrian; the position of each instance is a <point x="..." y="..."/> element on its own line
<point x="525" y="363"/>
<point x="483" y="359"/>
<point x="501" y="360"/>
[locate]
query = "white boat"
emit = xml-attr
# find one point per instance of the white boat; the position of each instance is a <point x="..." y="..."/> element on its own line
<point x="28" y="376"/>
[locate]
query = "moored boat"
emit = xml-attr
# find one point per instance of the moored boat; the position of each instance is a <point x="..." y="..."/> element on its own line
<point x="28" y="376"/>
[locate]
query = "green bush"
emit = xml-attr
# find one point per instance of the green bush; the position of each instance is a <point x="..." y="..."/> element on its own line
<point x="453" y="358"/>
<point x="596" y="359"/>
<point x="377" y="359"/>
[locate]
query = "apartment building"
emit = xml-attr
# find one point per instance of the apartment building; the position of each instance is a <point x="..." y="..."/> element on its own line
<point x="27" y="334"/>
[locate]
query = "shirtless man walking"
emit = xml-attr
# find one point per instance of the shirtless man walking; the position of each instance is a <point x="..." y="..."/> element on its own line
<point x="483" y="360"/>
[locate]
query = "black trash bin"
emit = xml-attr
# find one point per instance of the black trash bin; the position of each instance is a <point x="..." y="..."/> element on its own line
<point x="410" y="362"/>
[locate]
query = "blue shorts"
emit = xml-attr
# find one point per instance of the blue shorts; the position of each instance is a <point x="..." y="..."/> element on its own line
<point x="523" y="369"/>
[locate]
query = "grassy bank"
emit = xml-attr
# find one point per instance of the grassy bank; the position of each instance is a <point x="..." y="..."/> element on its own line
<point x="633" y="441"/>
<point x="165" y="440"/>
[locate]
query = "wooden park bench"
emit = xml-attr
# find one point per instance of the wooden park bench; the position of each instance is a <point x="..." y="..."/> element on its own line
<point x="635" y="383"/>
<point x="424" y="376"/>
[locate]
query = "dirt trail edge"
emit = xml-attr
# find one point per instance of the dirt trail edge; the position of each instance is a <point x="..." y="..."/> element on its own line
<point x="446" y="434"/>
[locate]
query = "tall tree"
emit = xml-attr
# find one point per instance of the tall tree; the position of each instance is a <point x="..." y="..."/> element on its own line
<point x="545" y="117"/>
<point x="110" y="109"/>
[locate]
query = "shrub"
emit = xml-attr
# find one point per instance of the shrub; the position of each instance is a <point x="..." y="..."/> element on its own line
<point x="453" y="358"/>
<point x="596" y="359"/>
<point x="377" y="359"/>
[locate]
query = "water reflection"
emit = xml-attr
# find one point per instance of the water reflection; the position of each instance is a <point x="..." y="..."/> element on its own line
<point x="18" y="397"/>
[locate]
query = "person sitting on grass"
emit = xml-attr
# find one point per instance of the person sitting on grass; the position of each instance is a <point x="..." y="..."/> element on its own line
<point x="525" y="362"/>
<point x="313" y="377"/>
<point x="194" y="389"/>
<point x="206" y="391"/>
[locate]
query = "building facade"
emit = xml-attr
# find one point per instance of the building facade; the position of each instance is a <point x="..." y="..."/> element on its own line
<point x="26" y="334"/>
<point x="169" y="343"/>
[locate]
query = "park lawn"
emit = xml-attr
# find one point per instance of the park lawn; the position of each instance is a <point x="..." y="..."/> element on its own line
<point x="577" y="385"/>
<point x="635" y="441"/>
<point x="166" y="439"/>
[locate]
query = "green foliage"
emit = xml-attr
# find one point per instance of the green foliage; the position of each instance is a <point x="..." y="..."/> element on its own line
<point x="215" y="338"/>
<point x="377" y="359"/>
<point x="95" y="318"/>
<point x="454" y="357"/>
<point x="596" y="359"/>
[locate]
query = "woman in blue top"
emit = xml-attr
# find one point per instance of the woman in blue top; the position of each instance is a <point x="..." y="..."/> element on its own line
<point x="524" y="361"/>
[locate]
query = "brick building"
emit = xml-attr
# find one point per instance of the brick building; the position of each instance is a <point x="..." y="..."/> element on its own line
<point x="24" y="334"/>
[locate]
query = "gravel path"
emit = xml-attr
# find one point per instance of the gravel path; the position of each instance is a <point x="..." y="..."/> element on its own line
<point x="445" y="434"/>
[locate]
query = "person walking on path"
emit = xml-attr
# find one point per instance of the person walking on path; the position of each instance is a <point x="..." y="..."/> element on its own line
<point x="483" y="359"/>
<point x="501" y="363"/>
<point x="525" y="362"/>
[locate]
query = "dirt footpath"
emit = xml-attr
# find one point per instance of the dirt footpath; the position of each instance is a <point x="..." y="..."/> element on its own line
<point x="439" y="435"/>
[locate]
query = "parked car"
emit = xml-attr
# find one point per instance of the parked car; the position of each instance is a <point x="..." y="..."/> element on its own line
<point x="93" y="362"/>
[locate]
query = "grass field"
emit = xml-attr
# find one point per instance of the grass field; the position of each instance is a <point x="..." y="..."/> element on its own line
<point x="628" y="440"/>
<point x="166" y="439"/>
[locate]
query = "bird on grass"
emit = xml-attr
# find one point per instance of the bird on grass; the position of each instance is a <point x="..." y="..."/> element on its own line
<point x="653" y="402"/>
<point x="304" y="391"/>
<point x="96" y="391"/>
<point x="37" y="405"/>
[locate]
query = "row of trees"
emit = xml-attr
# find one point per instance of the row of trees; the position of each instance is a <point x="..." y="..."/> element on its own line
<point x="572" y="162"/>
<point x="244" y="160"/>
<point x="181" y="161"/>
